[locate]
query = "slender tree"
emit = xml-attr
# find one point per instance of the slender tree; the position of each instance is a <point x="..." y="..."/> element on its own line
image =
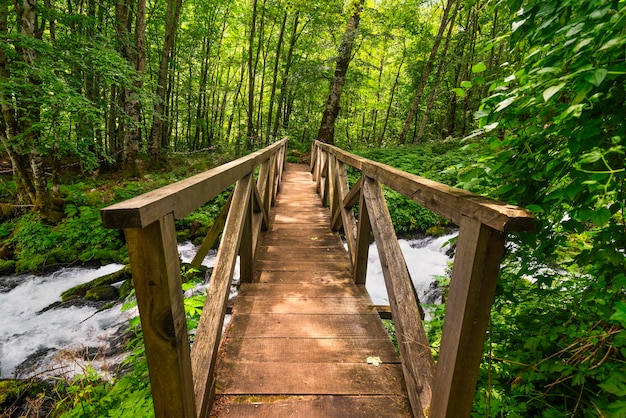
<point x="326" y="132"/>
<point x="426" y="73"/>
<point x="159" y="131"/>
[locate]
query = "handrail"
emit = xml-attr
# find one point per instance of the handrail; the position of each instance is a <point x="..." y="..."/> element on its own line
<point x="447" y="389"/>
<point x="181" y="378"/>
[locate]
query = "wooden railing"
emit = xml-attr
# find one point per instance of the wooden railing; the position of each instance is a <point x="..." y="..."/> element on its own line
<point x="182" y="379"/>
<point x="447" y="389"/>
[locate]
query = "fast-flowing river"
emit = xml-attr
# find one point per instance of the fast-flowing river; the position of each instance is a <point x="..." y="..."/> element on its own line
<point x="65" y="339"/>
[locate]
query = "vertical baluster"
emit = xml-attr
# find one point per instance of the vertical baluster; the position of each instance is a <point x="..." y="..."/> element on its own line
<point x="156" y="276"/>
<point x="417" y="361"/>
<point x="364" y="230"/>
<point x="472" y="287"/>
<point x="206" y="344"/>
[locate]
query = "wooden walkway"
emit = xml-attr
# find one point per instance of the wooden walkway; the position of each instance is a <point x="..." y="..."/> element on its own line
<point x="301" y="334"/>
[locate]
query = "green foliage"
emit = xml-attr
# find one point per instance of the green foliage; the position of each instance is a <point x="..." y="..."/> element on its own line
<point x="38" y="244"/>
<point x="555" y="125"/>
<point x="440" y="161"/>
<point x="88" y="395"/>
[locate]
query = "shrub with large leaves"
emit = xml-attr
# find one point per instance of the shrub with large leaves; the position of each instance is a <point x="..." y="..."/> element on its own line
<point x="556" y="124"/>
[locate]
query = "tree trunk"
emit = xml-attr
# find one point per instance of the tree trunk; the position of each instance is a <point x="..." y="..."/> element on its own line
<point x="283" y="85"/>
<point x="270" y="111"/>
<point x="159" y="127"/>
<point x="390" y="104"/>
<point x="22" y="120"/>
<point x="326" y="132"/>
<point x="443" y="61"/>
<point x="429" y="65"/>
<point x="250" y="133"/>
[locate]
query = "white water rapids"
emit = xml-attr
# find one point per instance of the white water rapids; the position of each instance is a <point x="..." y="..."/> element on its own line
<point x="59" y="337"/>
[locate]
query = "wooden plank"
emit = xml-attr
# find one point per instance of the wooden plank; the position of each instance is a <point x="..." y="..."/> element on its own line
<point x="418" y="363"/>
<point x="298" y="277"/>
<point x="306" y="350"/>
<point x="209" y="330"/>
<point x="264" y="378"/>
<point x="156" y="276"/>
<point x="304" y="266"/>
<point x="185" y="196"/>
<point x="472" y="287"/>
<point x="302" y="290"/>
<point x="311" y="326"/>
<point x="305" y="305"/>
<point x="304" y="252"/>
<point x="389" y="406"/>
<point x="449" y="202"/>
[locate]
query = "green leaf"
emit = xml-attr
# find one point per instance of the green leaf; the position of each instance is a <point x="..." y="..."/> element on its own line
<point x="466" y="84"/>
<point x="591" y="157"/>
<point x="505" y="103"/>
<point x="479" y="68"/>
<point x="597" y="77"/>
<point x="551" y="91"/>
<point x="615" y="42"/>
<point x="601" y="217"/>
<point x="620" y="313"/>
<point x="459" y="92"/>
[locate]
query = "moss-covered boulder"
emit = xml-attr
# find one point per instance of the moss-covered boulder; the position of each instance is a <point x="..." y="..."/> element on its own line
<point x="81" y="290"/>
<point x="102" y="293"/>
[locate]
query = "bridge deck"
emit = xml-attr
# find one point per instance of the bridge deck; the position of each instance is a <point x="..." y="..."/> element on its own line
<point x="301" y="334"/>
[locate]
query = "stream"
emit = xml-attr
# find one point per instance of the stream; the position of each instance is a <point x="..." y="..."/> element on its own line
<point x="40" y="339"/>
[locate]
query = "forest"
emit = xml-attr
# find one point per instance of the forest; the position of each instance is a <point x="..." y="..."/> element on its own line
<point x="524" y="98"/>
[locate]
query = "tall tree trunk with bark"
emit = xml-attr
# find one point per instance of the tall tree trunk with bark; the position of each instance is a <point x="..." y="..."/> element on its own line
<point x="425" y="74"/>
<point x="159" y="123"/>
<point x="285" y="77"/>
<point x="443" y="62"/>
<point x="20" y="133"/>
<point x="250" y="132"/>
<point x="326" y="132"/>
<point x="270" y="112"/>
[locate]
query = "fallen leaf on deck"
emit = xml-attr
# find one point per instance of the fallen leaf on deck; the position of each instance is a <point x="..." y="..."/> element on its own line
<point x="376" y="361"/>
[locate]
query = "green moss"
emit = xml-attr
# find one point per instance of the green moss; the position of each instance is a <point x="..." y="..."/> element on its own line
<point x="100" y="293"/>
<point x="126" y="288"/>
<point x="82" y="290"/>
<point x="7" y="267"/>
<point x="61" y="255"/>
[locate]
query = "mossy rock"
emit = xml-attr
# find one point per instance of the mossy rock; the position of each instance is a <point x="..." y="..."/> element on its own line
<point x="126" y="288"/>
<point x="102" y="293"/>
<point x="7" y="267"/>
<point x="81" y="290"/>
<point x="62" y="255"/>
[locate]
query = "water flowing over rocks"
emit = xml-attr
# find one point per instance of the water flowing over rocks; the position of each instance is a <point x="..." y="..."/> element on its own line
<point x="43" y="335"/>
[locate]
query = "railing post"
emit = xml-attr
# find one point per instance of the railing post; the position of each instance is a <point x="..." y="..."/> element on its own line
<point x="246" y="248"/>
<point x="417" y="360"/>
<point x="156" y="276"/>
<point x="480" y="250"/>
<point x="364" y="230"/>
<point x="208" y="334"/>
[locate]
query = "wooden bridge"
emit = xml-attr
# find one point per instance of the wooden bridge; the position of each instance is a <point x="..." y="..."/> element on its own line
<point x="305" y="339"/>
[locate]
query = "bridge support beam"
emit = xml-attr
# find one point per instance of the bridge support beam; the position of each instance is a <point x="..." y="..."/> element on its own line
<point x="156" y="276"/>
<point x="480" y="250"/>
